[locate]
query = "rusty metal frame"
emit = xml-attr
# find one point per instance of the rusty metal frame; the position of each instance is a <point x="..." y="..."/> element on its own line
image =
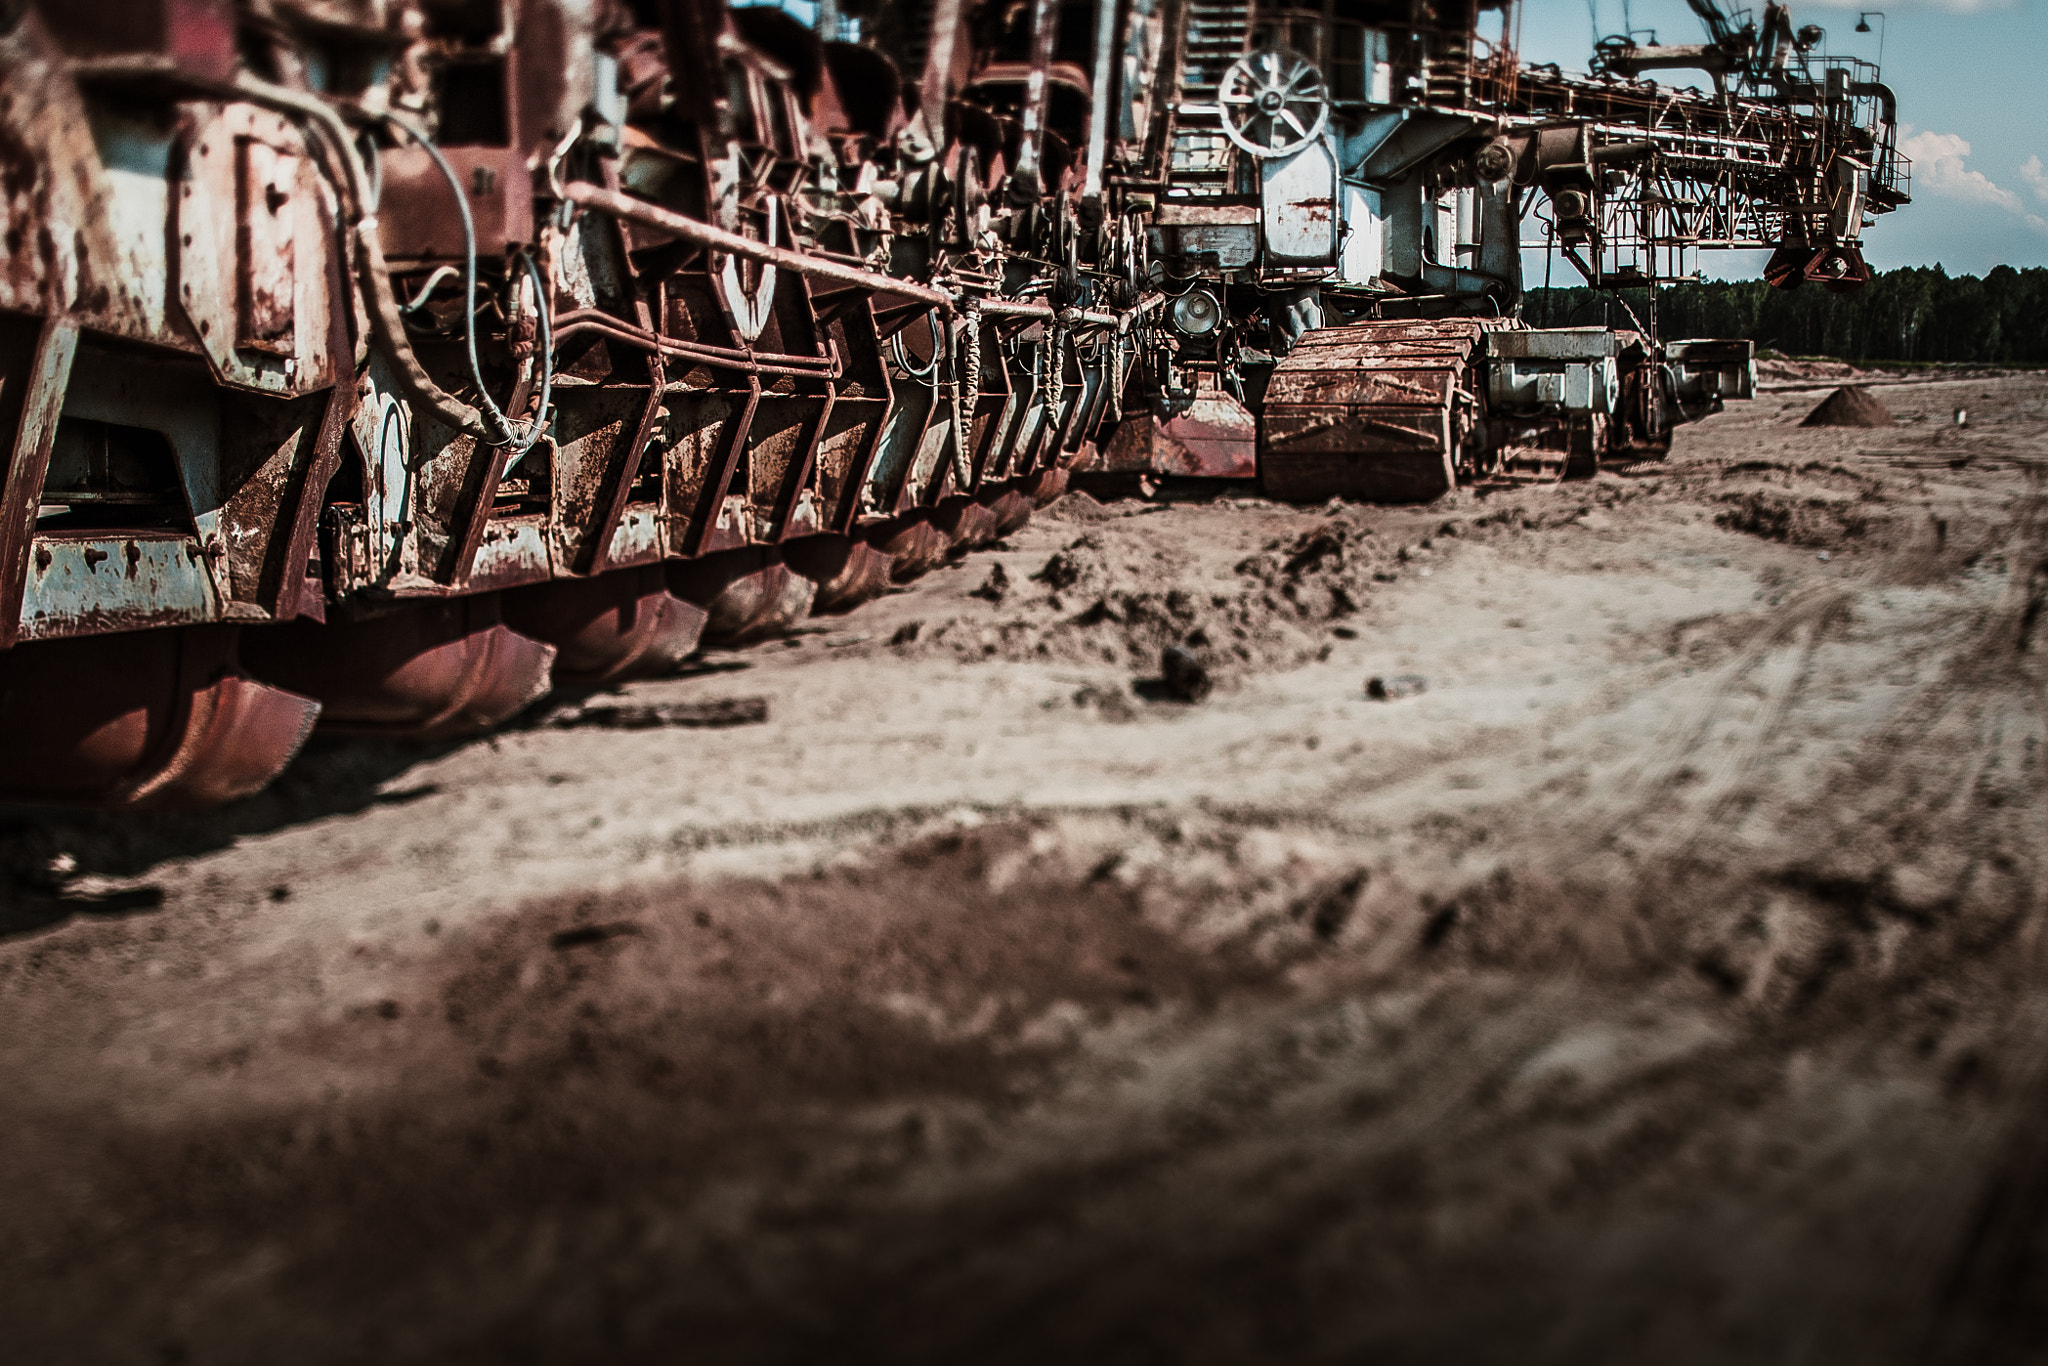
<point x="475" y="514"/>
<point x="590" y="196"/>
<point x="736" y="432"/>
<point x="595" y="554"/>
<point x="34" y="429"/>
<point x="297" y="595"/>
<point x="800" y="473"/>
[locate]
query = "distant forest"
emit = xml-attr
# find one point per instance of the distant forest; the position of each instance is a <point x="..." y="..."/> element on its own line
<point x="1914" y="314"/>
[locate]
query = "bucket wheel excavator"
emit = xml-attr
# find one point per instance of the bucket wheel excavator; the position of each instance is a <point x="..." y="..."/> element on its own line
<point x="379" y="363"/>
<point x="1345" y="197"/>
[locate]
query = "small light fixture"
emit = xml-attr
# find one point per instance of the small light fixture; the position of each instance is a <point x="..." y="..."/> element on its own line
<point x="1863" y="23"/>
<point x="1196" y="313"/>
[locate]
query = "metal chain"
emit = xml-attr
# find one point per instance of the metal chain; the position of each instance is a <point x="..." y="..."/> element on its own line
<point x="966" y="393"/>
<point x="1055" y="375"/>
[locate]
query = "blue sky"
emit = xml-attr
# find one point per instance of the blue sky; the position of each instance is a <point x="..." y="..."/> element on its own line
<point x="1972" y="82"/>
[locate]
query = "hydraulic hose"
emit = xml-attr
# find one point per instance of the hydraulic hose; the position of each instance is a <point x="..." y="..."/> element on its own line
<point x="373" y="276"/>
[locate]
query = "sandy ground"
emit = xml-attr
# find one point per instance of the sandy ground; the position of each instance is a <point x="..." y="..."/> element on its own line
<point x="1664" y="983"/>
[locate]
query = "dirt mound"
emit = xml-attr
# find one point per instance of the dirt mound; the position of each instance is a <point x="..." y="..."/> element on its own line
<point x="1078" y="506"/>
<point x="1820" y="520"/>
<point x="1849" y="406"/>
<point x="1787" y="372"/>
<point x="1102" y="601"/>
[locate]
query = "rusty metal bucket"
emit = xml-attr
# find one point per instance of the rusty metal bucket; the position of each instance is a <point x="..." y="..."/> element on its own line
<point x="159" y="718"/>
<point x="1009" y="505"/>
<point x="435" y="669"/>
<point x="1213" y="437"/>
<point x="914" y="546"/>
<point x="1046" y="487"/>
<point x="625" y="624"/>
<point x="748" y="593"/>
<point x="966" y="523"/>
<point x="847" y="569"/>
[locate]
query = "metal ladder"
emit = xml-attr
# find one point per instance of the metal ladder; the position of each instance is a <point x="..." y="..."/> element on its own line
<point x="1201" y="159"/>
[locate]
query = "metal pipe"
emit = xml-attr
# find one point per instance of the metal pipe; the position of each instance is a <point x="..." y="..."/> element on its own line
<point x="590" y="196"/>
<point x="1027" y="184"/>
<point x="387" y="327"/>
<point x="825" y="368"/>
<point x="1013" y="308"/>
<point x="1098" y="116"/>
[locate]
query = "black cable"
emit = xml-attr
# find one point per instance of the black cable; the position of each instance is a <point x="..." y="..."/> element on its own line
<point x="505" y="434"/>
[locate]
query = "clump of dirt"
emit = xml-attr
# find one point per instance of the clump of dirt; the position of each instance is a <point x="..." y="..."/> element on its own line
<point x="1823" y="520"/>
<point x="1849" y="406"/>
<point x="1077" y="505"/>
<point x="1101" y="600"/>
<point x="1786" y="371"/>
<point x="1824" y="505"/>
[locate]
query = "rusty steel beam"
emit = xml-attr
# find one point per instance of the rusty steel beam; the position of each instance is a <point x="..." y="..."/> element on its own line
<point x="1027" y="184"/>
<point x="1101" y="82"/>
<point x="596" y="550"/>
<point x="589" y="196"/>
<point x="800" y="474"/>
<point x="708" y="502"/>
<point x="297" y="595"/>
<point x="34" y="430"/>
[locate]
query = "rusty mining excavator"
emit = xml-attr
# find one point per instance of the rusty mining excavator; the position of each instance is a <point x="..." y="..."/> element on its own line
<point x="376" y="363"/>
<point x="1339" y="200"/>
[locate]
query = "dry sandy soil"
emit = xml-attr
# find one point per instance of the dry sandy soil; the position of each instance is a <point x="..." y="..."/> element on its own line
<point x="1665" y="983"/>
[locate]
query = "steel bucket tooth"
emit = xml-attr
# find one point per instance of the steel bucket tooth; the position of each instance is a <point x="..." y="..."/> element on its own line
<point x="847" y="569"/>
<point x="160" y="719"/>
<point x="240" y="736"/>
<point x="432" y="670"/>
<point x="625" y="624"/>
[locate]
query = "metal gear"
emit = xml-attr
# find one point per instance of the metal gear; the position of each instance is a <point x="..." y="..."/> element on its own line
<point x="1274" y="103"/>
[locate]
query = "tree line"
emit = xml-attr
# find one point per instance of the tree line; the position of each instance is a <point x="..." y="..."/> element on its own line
<point x="1918" y="313"/>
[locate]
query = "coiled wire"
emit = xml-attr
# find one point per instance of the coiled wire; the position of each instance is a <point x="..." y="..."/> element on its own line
<point x="505" y="432"/>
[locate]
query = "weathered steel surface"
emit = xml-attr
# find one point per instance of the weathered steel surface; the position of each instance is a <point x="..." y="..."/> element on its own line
<point x="258" y="265"/>
<point x="624" y="624"/>
<point x="83" y="584"/>
<point x="1011" y="508"/>
<point x="847" y="569"/>
<point x="1213" y="437"/>
<point x="914" y="545"/>
<point x="1362" y="412"/>
<point x="748" y="593"/>
<point x="1047" y="486"/>
<point x="160" y="718"/>
<point x="431" y="669"/>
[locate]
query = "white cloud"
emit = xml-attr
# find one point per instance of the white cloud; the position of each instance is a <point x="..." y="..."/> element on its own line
<point x="1938" y="170"/>
<point x="2036" y="177"/>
